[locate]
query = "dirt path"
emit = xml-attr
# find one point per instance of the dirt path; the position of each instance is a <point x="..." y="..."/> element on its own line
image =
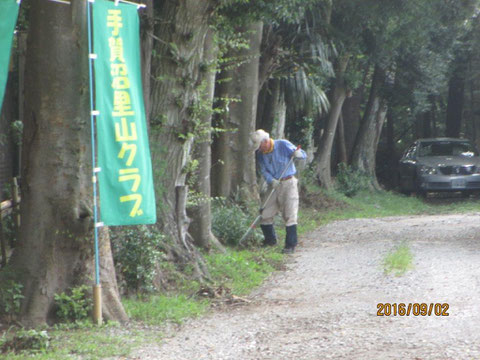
<point x="324" y="306"/>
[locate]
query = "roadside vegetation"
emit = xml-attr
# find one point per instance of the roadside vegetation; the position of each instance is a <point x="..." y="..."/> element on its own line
<point x="399" y="260"/>
<point x="233" y="274"/>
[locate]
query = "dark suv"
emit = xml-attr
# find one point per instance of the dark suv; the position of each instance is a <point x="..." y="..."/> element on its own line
<point x="440" y="164"/>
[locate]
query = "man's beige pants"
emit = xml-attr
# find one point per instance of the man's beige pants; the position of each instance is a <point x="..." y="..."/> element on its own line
<point x="285" y="200"/>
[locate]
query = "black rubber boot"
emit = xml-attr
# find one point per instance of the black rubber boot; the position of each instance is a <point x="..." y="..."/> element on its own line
<point x="270" y="239"/>
<point x="290" y="239"/>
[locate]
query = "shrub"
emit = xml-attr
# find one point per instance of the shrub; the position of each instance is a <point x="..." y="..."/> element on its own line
<point x="350" y="181"/>
<point x="137" y="251"/>
<point x="230" y="222"/>
<point x="32" y="340"/>
<point x="75" y="306"/>
<point x="10" y="297"/>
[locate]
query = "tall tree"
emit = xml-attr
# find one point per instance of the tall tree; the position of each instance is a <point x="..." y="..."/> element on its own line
<point x="180" y="33"/>
<point x="55" y="247"/>
<point x="352" y="108"/>
<point x="147" y="28"/>
<point x="364" y="151"/>
<point x="234" y="172"/>
<point x="455" y="100"/>
<point x="324" y="153"/>
<point x="271" y="115"/>
<point x="472" y="101"/>
<point x="200" y="211"/>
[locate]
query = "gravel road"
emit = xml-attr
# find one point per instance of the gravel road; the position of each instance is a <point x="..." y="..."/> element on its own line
<point x="324" y="305"/>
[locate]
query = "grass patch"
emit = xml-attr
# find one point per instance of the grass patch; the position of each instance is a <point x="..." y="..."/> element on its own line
<point x="368" y="204"/>
<point x="89" y="342"/>
<point x="398" y="261"/>
<point x="157" y="309"/>
<point x="241" y="271"/>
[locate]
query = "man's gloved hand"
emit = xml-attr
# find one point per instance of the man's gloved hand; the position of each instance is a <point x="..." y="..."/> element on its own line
<point x="275" y="183"/>
<point x="298" y="154"/>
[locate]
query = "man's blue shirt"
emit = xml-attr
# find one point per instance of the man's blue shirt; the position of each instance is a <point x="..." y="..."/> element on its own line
<point x="273" y="163"/>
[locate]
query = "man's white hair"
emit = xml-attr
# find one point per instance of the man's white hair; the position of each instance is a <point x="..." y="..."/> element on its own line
<point x="257" y="137"/>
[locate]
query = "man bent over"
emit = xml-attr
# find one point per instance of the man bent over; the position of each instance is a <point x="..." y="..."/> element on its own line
<point x="273" y="157"/>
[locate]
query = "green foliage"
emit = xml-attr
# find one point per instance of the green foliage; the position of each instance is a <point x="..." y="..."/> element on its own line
<point x="199" y="110"/>
<point x="399" y="260"/>
<point x="241" y="271"/>
<point x="9" y="229"/>
<point x="26" y="341"/>
<point x="350" y="181"/>
<point x="240" y="12"/>
<point x="17" y="131"/>
<point x="74" y="306"/>
<point x="190" y="170"/>
<point x="300" y="131"/>
<point x="156" y="310"/>
<point x="68" y="341"/>
<point x="230" y="222"/>
<point x="10" y="297"/>
<point x="136" y="252"/>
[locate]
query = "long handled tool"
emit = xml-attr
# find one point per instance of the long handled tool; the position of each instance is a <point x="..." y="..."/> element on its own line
<point x="259" y="217"/>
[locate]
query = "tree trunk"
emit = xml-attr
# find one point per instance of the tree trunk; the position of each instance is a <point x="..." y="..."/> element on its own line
<point x="201" y="213"/>
<point x="364" y="152"/>
<point x="147" y="28"/>
<point x="456" y="87"/>
<point x="351" y="113"/>
<point x="176" y="97"/>
<point x="279" y="113"/>
<point x="271" y="116"/>
<point x="391" y="150"/>
<point x="55" y="248"/>
<point x="222" y="156"/>
<point x="473" y="112"/>
<point x="341" y="145"/>
<point x="234" y="170"/>
<point x="7" y="145"/>
<point x="324" y="152"/>
<point x="427" y="124"/>
<point x="269" y="62"/>
<point x="418" y="128"/>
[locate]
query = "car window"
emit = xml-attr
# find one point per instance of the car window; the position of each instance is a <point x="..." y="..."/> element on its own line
<point x="447" y="148"/>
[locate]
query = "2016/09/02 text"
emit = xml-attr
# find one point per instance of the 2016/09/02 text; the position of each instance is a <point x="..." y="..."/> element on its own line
<point x="414" y="309"/>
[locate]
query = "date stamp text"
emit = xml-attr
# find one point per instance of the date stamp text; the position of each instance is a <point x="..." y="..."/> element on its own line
<point x="412" y="309"/>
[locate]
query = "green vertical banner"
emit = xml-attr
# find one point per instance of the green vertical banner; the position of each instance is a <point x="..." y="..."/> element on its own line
<point x="125" y="178"/>
<point x="8" y="19"/>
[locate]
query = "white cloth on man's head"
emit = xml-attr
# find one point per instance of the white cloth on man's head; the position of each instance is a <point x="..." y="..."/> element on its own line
<point x="257" y="137"/>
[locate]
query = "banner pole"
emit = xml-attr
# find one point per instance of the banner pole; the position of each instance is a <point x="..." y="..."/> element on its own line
<point x="97" y="289"/>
